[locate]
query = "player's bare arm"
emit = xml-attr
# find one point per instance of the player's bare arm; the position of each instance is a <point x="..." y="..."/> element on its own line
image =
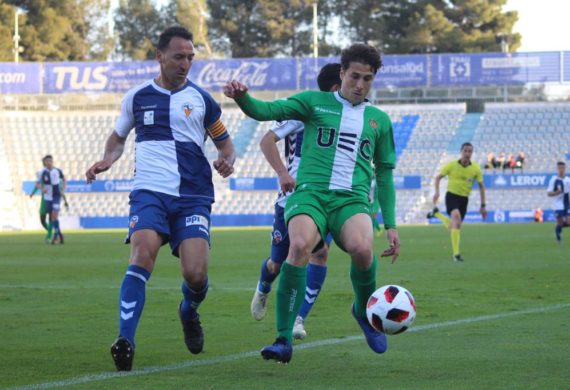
<point x="114" y="148"/>
<point x="268" y="146"/>
<point x="224" y="165"/>
<point x="436" y="193"/>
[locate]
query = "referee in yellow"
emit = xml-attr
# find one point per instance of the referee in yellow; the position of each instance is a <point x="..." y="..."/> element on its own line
<point x="462" y="173"/>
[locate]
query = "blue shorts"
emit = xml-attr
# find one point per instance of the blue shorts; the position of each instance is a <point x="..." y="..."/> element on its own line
<point x="280" y="237"/>
<point x="174" y="218"/>
<point x="53" y="205"/>
<point x="561" y="213"/>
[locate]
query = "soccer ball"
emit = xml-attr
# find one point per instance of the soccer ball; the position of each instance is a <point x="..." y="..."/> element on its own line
<point x="391" y="309"/>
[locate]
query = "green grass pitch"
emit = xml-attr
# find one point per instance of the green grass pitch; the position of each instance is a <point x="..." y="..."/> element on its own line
<point x="499" y="320"/>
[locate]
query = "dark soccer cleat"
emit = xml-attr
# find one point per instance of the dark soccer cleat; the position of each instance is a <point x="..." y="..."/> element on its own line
<point x="376" y="340"/>
<point x="193" y="333"/>
<point x="458" y="258"/>
<point x="123" y="354"/>
<point x="431" y="214"/>
<point x="281" y="351"/>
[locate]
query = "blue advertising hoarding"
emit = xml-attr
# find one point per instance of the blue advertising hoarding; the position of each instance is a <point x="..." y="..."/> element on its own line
<point x="495" y="68"/>
<point x="258" y="74"/>
<point x="20" y="78"/>
<point x="397" y="71"/>
<point x="271" y="183"/>
<point x="566" y="66"/>
<point x="523" y="180"/>
<point x="74" y="186"/>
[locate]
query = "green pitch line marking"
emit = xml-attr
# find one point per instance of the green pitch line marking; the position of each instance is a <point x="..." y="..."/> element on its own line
<point x="240" y="356"/>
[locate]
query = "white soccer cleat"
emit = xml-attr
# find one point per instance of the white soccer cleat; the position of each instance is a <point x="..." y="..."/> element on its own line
<point x="259" y="305"/>
<point x="299" y="332"/>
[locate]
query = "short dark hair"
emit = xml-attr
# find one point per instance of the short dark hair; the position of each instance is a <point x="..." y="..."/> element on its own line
<point x="363" y="53"/>
<point x="44" y="158"/>
<point x="329" y="75"/>
<point x="171" y="32"/>
<point x="465" y="144"/>
<point x="561" y="163"/>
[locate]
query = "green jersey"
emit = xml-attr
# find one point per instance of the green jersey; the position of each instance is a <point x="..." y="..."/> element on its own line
<point x="340" y="140"/>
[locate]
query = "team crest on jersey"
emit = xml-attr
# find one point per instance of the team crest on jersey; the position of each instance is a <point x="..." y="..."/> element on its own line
<point x="277" y="237"/>
<point x="187" y="108"/>
<point x="373" y="123"/>
<point x="133" y="221"/>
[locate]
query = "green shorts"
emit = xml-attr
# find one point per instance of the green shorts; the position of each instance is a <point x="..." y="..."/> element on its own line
<point x="43" y="206"/>
<point x="327" y="208"/>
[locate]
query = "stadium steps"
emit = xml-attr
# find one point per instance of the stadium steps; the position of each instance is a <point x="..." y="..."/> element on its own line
<point x="465" y="132"/>
<point x="246" y="129"/>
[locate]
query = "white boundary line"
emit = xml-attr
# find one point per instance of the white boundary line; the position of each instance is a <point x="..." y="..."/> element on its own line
<point x="244" y="355"/>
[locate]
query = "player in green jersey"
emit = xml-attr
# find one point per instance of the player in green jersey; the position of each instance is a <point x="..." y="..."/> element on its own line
<point x="344" y="134"/>
<point x="462" y="174"/>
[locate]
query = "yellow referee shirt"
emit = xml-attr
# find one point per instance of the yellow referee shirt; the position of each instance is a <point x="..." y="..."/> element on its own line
<point x="461" y="178"/>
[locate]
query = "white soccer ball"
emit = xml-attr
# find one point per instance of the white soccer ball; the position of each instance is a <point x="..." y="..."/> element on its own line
<point x="391" y="309"/>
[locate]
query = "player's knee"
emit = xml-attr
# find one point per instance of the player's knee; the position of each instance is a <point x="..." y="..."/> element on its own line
<point x="195" y="279"/>
<point x="299" y="248"/>
<point x="359" y="247"/>
<point x="273" y="267"/>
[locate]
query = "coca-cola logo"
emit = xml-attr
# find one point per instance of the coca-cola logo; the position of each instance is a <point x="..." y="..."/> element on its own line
<point x="252" y="74"/>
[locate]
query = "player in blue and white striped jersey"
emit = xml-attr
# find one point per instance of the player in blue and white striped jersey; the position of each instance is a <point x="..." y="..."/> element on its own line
<point x="173" y="190"/>
<point x="292" y="133"/>
<point x="51" y="182"/>
<point x="559" y="189"/>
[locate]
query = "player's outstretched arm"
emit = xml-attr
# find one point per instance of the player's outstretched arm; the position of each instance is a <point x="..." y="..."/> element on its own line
<point x="387" y="201"/>
<point x="268" y="146"/>
<point x="436" y="193"/>
<point x="235" y="90"/>
<point x="224" y="165"/>
<point x="114" y="148"/>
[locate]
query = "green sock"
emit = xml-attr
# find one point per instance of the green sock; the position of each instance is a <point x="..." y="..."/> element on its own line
<point x="290" y="296"/>
<point x="49" y="230"/>
<point x="364" y="284"/>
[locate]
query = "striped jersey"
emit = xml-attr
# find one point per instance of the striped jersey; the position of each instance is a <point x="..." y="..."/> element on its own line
<point x="561" y="201"/>
<point x="340" y="140"/>
<point x="171" y="129"/>
<point x="292" y="133"/>
<point x="51" y="181"/>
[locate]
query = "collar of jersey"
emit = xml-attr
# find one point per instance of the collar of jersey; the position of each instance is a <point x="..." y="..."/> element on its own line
<point x="344" y="100"/>
<point x="459" y="162"/>
<point x="167" y="91"/>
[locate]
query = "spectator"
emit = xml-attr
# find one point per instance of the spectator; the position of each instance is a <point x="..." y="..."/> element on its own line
<point x="520" y="161"/>
<point x="492" y="162"/>
<point x="510" y="163"/>
<point x="538" y="215"/>
<point x="501" y="161"/>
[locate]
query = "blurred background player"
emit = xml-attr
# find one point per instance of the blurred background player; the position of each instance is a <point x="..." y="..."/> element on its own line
<point x="559" y="189"/>
<point x="44" y="217"/>
<point x="292" y="132"/>
<point x="51" y="182"/>
<point x="462" y="174"/>
<point x="344" y="134"/>
<point x="173" y="191"/>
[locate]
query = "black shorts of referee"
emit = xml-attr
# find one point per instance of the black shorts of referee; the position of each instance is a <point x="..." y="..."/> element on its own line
<point x="454" y="201"/>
